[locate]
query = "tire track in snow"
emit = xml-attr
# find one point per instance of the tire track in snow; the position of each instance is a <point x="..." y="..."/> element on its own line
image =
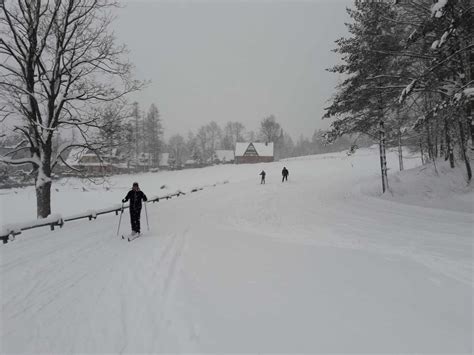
<point x="66" y="274"/>
<point x="151" y="283"/>
<point x="29" y="248"/>
<point x="44" y="278"/>
<point x="168" y="288"/>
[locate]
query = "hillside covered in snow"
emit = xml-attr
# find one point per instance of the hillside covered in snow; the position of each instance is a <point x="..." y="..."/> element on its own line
<point x="322" y="263"/>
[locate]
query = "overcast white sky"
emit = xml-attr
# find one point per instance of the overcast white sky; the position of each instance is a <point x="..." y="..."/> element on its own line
<point x="234" y="60"/>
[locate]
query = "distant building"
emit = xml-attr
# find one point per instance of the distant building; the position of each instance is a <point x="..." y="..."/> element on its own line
<point x="249" y="153"/>
<point x="88" y="162"/>
<point x="224" y="156"/>
<point x="14" y="175"/>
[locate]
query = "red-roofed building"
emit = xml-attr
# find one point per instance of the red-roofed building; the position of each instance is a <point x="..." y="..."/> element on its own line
<point x="250" y="153"/>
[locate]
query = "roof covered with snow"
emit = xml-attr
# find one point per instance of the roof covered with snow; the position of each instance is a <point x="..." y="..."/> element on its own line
<point x="262" y="149"/>
<point x="75" y="155"/>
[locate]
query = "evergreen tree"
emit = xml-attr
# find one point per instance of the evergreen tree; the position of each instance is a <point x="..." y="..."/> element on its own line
<point x="111" y="127"/>
<point x="288" y="146"/>
<point x="153" y="134"/>
<point x="137" y="131"/>
<point x="365" y="99"/>
<point x="444" y="36"/>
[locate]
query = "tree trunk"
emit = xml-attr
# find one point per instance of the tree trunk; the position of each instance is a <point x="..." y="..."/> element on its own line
<point x="436" y="138"/>
<point x="43" y="199"/>
<point x="43" y="183"/>
<point x="383" y="158"/>
<point x="400" y="151"/>
<point x="464" y="155"/>
<point x="422" y="153"/>
<point x="467" y="60"/>
<point x="428" y="141"/>
<point x="442" y="149"/>
<point x="470" y="120"/>
<point x="449" y="144"/>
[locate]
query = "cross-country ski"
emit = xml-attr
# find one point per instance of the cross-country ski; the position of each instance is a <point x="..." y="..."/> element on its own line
<point x="131" y="237"/>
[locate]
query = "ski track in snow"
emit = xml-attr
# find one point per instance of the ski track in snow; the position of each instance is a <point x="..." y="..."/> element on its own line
<point x="310" y="265"/>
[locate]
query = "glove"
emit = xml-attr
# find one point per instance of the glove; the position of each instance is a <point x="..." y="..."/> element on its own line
<point x="124" y="200"/>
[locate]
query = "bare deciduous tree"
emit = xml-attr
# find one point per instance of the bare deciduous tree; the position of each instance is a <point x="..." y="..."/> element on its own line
<point x="177" y="150"/>
<point x="59" y="61"/>
<point x="233" y="132"/>
<point x="208" y="139"/>
<point x="270" y="129"/>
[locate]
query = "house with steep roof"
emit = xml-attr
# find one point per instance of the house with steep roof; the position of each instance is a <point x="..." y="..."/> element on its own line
<point x="253" y="152"/>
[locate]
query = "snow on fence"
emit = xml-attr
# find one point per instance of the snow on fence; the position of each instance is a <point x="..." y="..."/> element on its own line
<point x="10" y="231"/>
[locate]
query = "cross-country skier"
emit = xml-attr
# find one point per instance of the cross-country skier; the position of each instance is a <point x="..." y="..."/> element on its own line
<point x="285" y="174"/>
<point x="135" y="195"/>
<point x="262" y="174"/>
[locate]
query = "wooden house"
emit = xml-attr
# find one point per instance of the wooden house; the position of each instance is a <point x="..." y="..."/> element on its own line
<point x="250" y="153"/>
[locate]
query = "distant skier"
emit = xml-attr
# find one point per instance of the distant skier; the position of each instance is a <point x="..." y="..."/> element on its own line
<point x="135" y="195"/>
<point x="262" y="174"/>
<point x="285" y="174"/>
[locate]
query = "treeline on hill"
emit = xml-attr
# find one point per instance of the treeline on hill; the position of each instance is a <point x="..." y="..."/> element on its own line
<point x="132" y="134"/>
<point x="407" y="71"/>
<point x="201" y="146"/>
<point x="127" y="136"/>
<point x="116" y="133"/>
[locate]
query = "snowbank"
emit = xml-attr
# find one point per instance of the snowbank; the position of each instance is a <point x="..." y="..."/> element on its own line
<point x="431" y="185"/>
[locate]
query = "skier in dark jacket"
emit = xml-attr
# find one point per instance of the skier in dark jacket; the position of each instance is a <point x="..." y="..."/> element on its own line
<point x="135" y="195"/>
<point x="262" y="174"/>
<point x="285" y="174"/>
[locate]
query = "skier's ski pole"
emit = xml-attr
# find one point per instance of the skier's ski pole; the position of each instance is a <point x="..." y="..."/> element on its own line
<point x="146" y="214"/>
<point x="120" y="219"/>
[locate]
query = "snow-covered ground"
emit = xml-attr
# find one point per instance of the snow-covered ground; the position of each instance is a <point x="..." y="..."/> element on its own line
<point x="319" y="264"/>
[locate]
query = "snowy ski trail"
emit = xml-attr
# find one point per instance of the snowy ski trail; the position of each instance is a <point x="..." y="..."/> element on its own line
<point x="312" y="265"/>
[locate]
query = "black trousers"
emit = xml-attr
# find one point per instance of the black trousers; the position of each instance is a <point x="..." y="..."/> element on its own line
<point x="285" y="177"/>
<point x="135" y="219"/>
